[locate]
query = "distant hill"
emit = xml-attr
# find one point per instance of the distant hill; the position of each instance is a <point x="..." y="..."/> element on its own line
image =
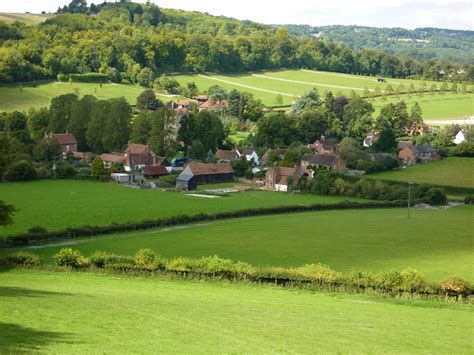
<point x="28" y="19"/>
<point x="421" y="43"/>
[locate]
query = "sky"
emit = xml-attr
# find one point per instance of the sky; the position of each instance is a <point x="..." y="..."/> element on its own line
<point x="453" y="14"/>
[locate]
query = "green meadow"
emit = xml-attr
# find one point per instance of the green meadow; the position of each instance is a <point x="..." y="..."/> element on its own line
<point x="450" y="171"/>
<point x="21" y="98"/>
<point x="289" y="84"/>
<point x="46" y="312"/>
<point x="65" y="203"/>
<point x="436" y="242"/>
<point x="28" y="19"/>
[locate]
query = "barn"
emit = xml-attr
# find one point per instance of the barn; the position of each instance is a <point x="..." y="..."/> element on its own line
<point x="203" y="173"/>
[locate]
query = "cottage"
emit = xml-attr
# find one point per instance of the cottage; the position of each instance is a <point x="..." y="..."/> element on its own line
<point x="371" y="138"/>
<point x="326" y="161"/>
<point x="66" y="140"/>
<point x="195" y="173"/>
<point x="324" y="146"/>
<point x="112" y="159"/>
<point x="155" y="171"/>
<point x="249" y="153"/>
<point x="209" y="105"/>
<point x="84" y="156"/>
<point x="138" y="156"/>
<point x="418" y="154"/>
<point x="279" y="178"/>
<point x="280" y="152"/>
<point x="226" y="155"/>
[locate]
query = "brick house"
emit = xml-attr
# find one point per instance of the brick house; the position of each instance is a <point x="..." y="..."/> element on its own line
<point x="418" y="154"/>
<point x="114" y="158"/>
<point x="276" y="177"/>
<point x="66" y="140"/>
<point x="195" y="173"/>
<point x="331" y="162"/>
<point x="324" y="146"/>
<point x="138" y="156"/>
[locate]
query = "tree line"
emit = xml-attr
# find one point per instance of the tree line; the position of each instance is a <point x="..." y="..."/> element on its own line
<point x="136" y="42"/>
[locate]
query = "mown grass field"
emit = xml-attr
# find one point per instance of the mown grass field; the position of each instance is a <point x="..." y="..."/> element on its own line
<point x="64" y="203"/>
<point x="14" y="97"/>
<point x="437" y="243"/>
<point x="75" y="312"/>
<point x="292" y="83"/>
<point x="28" y="19"/>
<point x="450" y="171"/>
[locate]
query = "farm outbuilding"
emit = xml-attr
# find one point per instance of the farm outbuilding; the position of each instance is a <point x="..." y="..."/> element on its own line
<point x="196" y="173"/>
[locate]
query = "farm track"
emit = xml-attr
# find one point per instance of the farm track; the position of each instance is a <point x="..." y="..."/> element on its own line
<point x="309" y="83"/>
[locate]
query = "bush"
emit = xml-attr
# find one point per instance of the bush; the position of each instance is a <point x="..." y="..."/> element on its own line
<point x="167" y="181"/>
<point x="469" y="199"/>
<point x="70" y="258"/>
<point x="20" y="171"/>
<point x="435" y="196"/>
<point x="84" y="78"/>
<point x="148" y="260"/>
<point x="65" y="171"/>
<point x="21" y="258"/>
<point x="455" y="286"/>
<point x="317" y="272"/>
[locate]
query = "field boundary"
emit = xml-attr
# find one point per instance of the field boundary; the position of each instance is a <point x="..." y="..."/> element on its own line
<point x="308" y="83"/>
<point x="33" y="237"/>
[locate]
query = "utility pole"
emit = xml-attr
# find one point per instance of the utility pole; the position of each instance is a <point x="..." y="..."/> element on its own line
<point x="409" y="198"/>
<point x="54" y="167"/>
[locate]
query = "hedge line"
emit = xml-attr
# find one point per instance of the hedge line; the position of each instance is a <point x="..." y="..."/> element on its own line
<point x="452" y="190"/>
<point x="406" y="283"/>
<point x="40" y="235"/>
<point x="84" y="78"/>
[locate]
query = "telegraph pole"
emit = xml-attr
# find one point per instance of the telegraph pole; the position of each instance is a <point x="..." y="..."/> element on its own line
<point x="409" y="198"/>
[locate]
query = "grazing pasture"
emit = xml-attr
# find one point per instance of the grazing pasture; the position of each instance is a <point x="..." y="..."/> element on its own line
<point x="289" y="84"/>
<point x="21" y="98"/>
<point x="451" y="171"/>
<point x="436" y="242"/>
<point x="65" y="203"/>
<point x="77" y="312"/>
<point x="28" y="19"/>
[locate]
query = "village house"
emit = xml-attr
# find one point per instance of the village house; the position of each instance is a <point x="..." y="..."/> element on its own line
<point x="324" y="146"/>
<point x="280" y="152"/>
<point x="223" y="155"/>
<point x="331" y="162"/>
<point x="235" y="154"/>
<point x="84" y="156"/>
<point x="66" y="140"/>
<point x="201" y="99"/>
<point x="279" y="178"/>
<point x="209" y="105"/>
<point x="459" y="137"/>
<point x="195" y="173"/>
<point x="418" y="154"/>
<point x="138" y="156"/>
<point x="110" y="159"/>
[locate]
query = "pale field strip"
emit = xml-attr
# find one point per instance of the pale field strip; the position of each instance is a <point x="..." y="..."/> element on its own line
<point x="247" y="86"/>
<point x="309" y="83"/>
<point x="352" y="77"/>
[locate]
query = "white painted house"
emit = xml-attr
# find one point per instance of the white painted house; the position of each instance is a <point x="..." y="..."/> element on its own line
<point x="459" y="137"/>
<point x="249" y="153"/>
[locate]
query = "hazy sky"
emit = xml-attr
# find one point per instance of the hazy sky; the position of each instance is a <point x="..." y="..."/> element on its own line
<point x="454" y="14"/>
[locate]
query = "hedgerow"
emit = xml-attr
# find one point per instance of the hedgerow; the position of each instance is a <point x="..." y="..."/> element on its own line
<point x="41" y="235"/>
<point x="317" y="277"/>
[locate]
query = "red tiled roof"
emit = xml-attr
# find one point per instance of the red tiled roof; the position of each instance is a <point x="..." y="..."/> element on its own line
<point x="112" y="158"/>
<point x="210" y="105"/>
<point x="134" y="148"/>
<point x="65" y="138"/>
<point x="157" y="170"/>
<point x="226" y="155"/>
<point x="209" y="169"/>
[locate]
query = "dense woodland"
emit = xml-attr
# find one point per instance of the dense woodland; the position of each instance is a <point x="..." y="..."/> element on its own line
<point x="422" y="44"/>
<point x="136" y="42"/>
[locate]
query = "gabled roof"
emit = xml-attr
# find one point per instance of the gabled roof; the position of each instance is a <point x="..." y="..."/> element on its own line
<point x="222" y="154"/>
<point x="246" y="151"/>
<point x="134" y="148"/>
<point x="197" y="169"/>
<point x="282" y="173"/>
<point x="113" y="158"/>
<point x="320" y="159"/>
<point x="64" y="138"/>
<point x="157" y="170"/>
<point x="210" y="105"/>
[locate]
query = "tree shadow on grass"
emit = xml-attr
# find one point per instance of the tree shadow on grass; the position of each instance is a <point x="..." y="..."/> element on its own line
<point x="17" y="339"/>
<point x="27" y="292"/>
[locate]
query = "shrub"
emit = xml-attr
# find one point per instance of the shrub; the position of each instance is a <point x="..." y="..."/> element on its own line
<point x="147" y="259"/>
<point x="70" y="258"/>
<point x="436" y="196"/>
<point x="455" y="286"/>
<point x="389" y="281"/>
<point x="65" y="171"/>
<point x="20" y="171"/>
<point x="21" y="258"/>
<point x="412" y="280"/>
<point x="317" y="272"/>
<point x="100" y="258"/>
<point x="469" y="199"/>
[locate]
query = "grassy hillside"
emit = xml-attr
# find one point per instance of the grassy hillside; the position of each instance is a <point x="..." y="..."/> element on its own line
<point x="438" y="243"/>
<point x="77" y="312"/>
<point x="16" y="97"/>
<point x="451" y="171"/>
<point x="28" y="19"/>
<point x="292" y="83"/>
<point x="66" y="203"/>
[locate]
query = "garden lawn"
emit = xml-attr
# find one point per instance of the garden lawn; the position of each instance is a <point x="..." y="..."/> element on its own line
<point x="21" y="99"/>
<point x="83" y="313"/>
<point x="65" y="203"/>
<point x="438" y="243"/>
<point x="450" y="171"/>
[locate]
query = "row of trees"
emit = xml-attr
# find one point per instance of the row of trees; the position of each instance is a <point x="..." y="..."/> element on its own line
<point x="135" y="43"/>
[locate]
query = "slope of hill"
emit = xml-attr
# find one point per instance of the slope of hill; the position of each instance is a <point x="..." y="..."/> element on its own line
<point x="420" y="43"/>
<point x="28" y="19"/>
